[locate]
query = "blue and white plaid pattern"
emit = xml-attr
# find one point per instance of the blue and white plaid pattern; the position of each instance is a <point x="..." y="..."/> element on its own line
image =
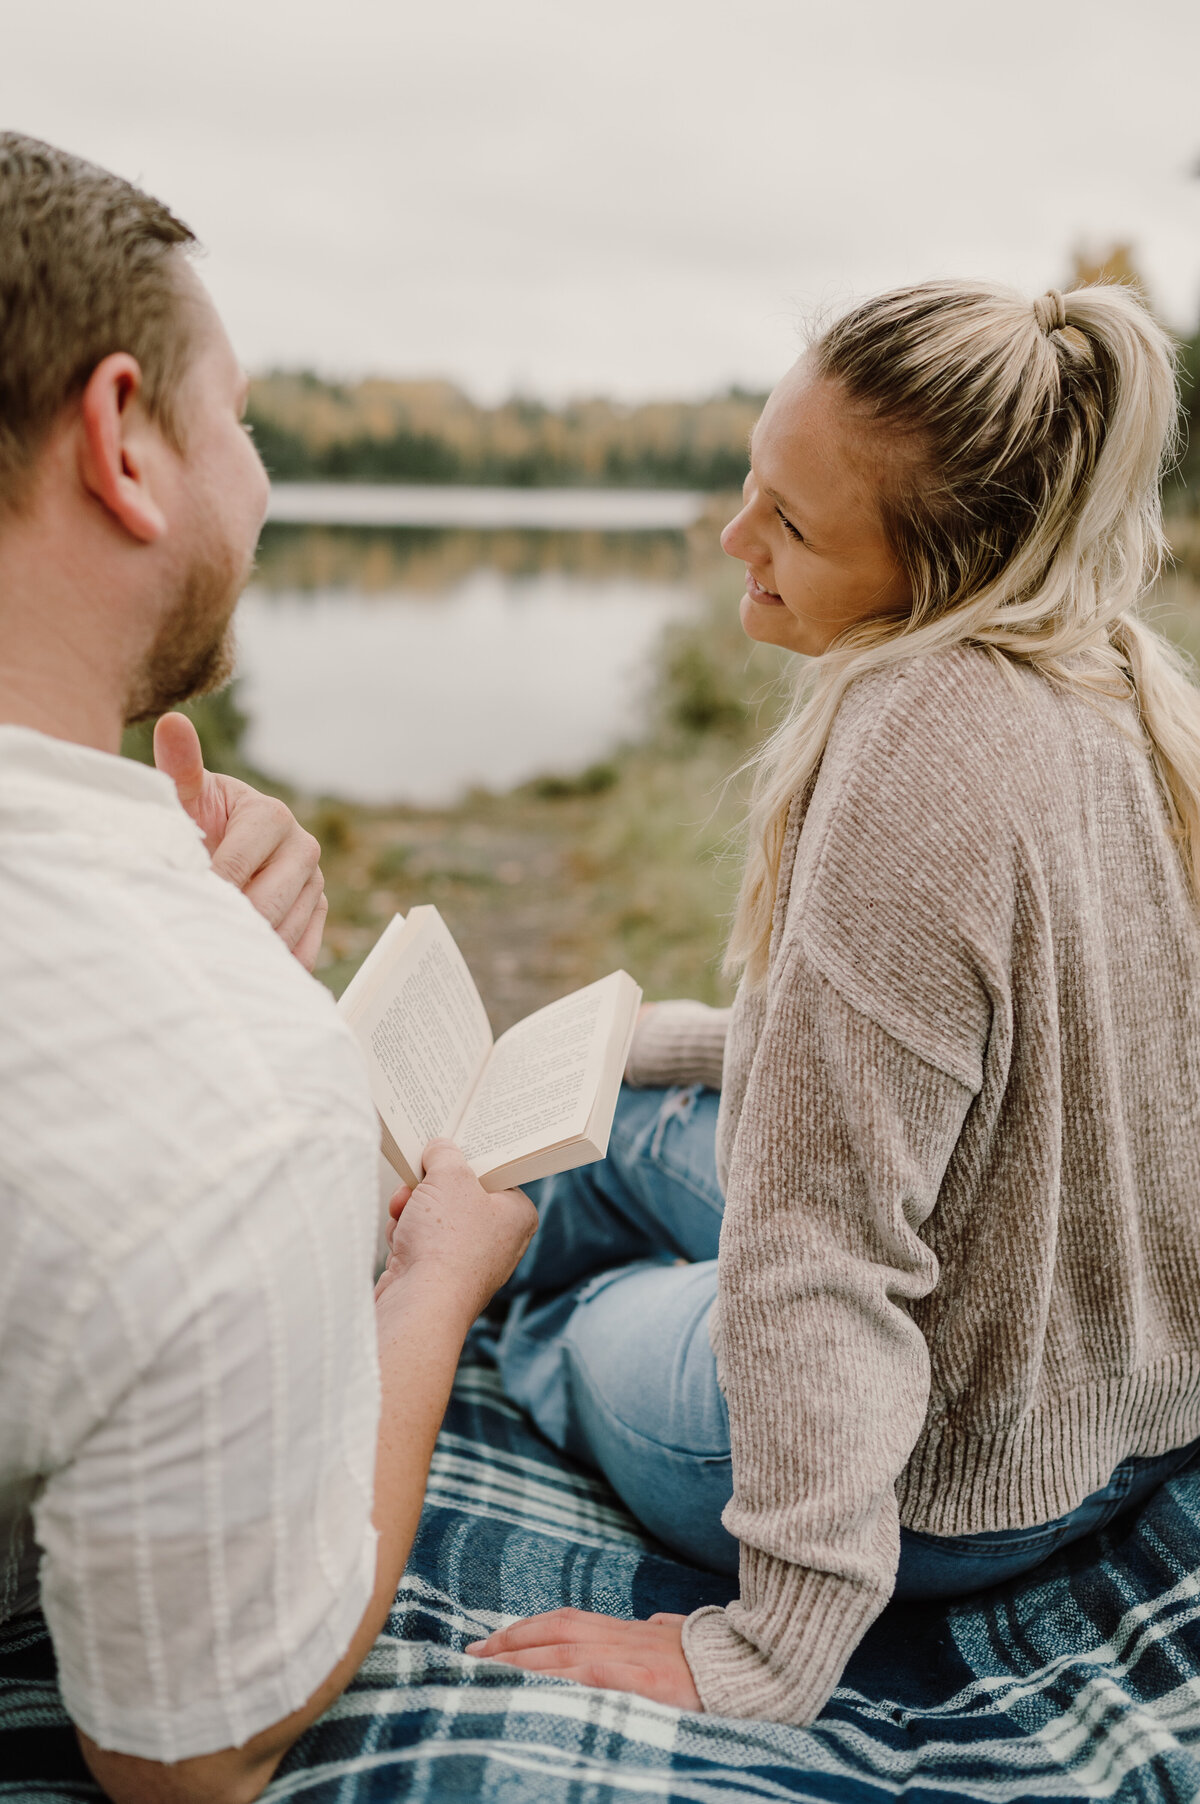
<point x="1082" y="1681"/>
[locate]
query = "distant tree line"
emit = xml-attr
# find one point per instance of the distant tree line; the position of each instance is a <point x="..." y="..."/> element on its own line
<point x="308" y="428"/>
<point x="380" y="431"/>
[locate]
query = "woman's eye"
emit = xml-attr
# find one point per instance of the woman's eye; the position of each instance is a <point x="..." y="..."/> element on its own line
<point x="793" y="532"/>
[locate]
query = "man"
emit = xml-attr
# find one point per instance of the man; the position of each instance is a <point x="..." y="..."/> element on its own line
<point x="212" y="1437"/>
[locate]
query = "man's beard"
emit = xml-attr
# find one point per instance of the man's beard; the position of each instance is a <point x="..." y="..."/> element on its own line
<point x="194" y="651"/>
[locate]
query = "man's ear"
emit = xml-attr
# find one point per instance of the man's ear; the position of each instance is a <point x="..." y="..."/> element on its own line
<point x="116" y="447"/>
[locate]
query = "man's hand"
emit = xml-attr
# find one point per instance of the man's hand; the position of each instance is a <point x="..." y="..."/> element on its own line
<point x="465" y="1238"/>
<point x="255" y="841"/>
<point x="643" y="1657"/>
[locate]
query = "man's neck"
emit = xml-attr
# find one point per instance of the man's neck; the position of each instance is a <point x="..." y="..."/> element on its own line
<point x="56" y="688"/>
<point x="81" y="718"/>
<point x="62" y="664"/>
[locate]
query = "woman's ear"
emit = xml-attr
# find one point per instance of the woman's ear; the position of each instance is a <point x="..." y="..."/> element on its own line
<point x="117" y="447"/>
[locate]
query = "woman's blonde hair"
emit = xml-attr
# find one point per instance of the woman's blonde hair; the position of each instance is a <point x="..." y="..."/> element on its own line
<point x="1021" y="448"/>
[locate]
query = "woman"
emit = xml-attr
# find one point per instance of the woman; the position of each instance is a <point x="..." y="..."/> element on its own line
<point x="955" y="1317"/>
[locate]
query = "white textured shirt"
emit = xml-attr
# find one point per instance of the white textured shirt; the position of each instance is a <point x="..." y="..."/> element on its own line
<point x="189" y="1386"/>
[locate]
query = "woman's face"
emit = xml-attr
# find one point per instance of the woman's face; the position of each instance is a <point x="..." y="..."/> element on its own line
<point x="809" y="532"/>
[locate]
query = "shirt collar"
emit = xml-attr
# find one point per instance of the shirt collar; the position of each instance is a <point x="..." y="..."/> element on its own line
<point x="50" y="785"/>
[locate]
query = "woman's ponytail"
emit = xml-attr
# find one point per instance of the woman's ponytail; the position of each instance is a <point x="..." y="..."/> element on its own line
<point x="1122" y="511"/>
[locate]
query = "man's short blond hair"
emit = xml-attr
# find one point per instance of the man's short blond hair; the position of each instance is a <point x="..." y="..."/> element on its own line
<point x="88" y="266"/>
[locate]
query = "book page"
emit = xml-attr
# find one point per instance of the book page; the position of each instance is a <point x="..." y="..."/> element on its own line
<point x="373" y="969"/>
<point x="426" y="1034"/>
<point x="539" y="1085"/>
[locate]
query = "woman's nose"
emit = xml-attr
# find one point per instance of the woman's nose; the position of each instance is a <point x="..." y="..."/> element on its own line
<point x="735" y="536"/>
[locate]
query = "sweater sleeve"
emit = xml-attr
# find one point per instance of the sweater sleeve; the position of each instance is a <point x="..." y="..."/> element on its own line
<point x="678" y="1043"/>
<point x="844" y="1137"/>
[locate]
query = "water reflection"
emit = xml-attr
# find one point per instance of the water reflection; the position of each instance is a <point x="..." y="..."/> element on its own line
<point x="387" y="666"/>
<point x="373" y="560"/>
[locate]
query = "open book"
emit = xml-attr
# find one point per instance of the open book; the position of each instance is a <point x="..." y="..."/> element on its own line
<point x="538" y="1100"/>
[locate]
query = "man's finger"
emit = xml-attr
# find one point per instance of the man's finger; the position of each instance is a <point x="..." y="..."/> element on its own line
<point x="258" y="827"/>
<point x="177" y="754"/>
<point x="565" y="1657"/>
<point x="289" y="874"/>
<point x="590" y="1667"/>
<point x="309" y="943"/>
<point x="293" y="924"/>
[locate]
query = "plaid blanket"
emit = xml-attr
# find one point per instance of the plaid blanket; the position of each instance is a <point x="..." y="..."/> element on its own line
<point x="1080" y="1682"/>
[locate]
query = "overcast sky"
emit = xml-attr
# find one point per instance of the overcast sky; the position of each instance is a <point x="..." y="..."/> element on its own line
<point x="632" y="196"/>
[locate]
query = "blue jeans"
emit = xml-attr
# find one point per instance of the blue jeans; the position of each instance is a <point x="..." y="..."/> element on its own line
<point x="606" y="1346"/>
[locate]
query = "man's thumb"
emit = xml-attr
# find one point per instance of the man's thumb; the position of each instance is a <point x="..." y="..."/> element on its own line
<point x="177" y="754"/>
<point x="441" y="1153"/>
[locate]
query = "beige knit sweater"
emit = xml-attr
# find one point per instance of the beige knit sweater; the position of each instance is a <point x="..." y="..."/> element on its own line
<point x="960" y="1142"/>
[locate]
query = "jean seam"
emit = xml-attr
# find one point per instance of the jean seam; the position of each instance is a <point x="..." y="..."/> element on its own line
<point x="597" y="1282"/>
<point x="1115" y="1495"/>
<point x="989" y="1550"/>
<point x="685" y="1183"/>
<point x="1120" y="1484"/>
<point x="636" y="1154"/>
<point x="645" y="1440"/>
<point x="646" y="1146"/>
<point x="635" y="1143"/>
<point x="678" y="1105"/>
<point x="684" y="1176"/>
<point x="681" y="1176"/>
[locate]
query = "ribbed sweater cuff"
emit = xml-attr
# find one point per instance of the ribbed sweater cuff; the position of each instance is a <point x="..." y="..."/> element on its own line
<point x="678" y="1043"/>
<point x="781" y="1657"/>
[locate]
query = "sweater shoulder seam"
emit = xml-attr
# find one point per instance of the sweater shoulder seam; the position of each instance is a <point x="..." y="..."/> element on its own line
<point x="800" y="947"/>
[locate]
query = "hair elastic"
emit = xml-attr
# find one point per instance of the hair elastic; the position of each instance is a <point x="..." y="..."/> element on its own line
<point x="1050" y="312"/>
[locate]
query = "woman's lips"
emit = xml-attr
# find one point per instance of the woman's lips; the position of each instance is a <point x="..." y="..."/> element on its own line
<point x="756" y="592"/>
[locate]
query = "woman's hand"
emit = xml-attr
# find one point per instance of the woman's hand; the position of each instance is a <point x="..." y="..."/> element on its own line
<point x="456" y="1232"/>
<point x="643" y="1657"/>
<point x="255" y="841"/>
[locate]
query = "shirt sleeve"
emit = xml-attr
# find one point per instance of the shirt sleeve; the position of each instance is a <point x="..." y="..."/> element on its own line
<point x="678" y="1043"/>
<point x="208" y="1549"/>
<point x="825" y="1372"/>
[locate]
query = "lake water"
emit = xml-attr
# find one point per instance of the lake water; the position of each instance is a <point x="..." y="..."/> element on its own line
<point x="488" y="509"/>
<point x="412" y="665"/>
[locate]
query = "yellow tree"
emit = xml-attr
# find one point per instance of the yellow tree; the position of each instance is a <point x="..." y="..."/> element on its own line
<point x="1112" y="263"/>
